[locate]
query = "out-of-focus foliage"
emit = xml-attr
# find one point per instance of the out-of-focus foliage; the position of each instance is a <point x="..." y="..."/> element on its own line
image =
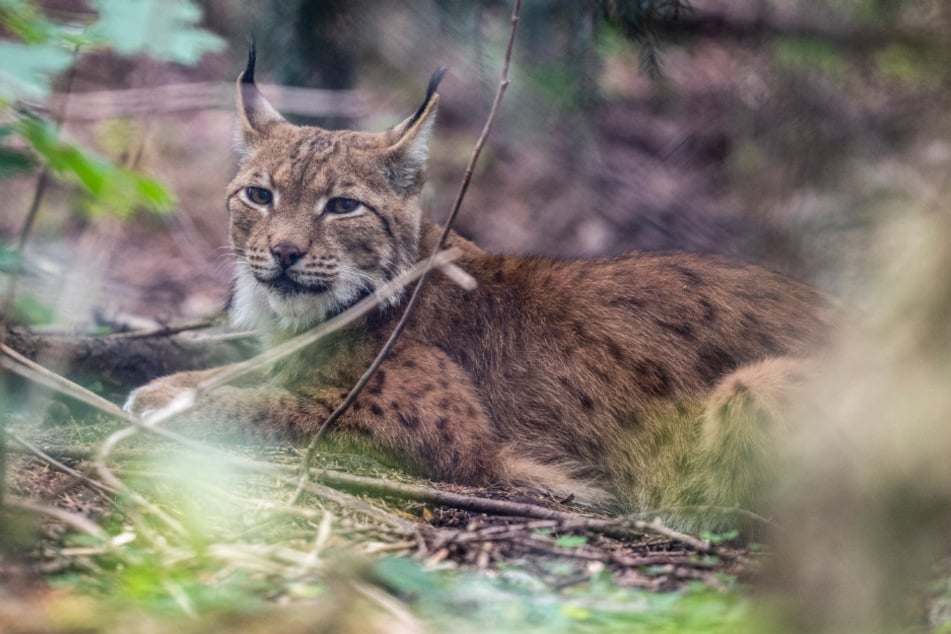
<point x="162" y="29"/>
<point x="45" y="49"/>
<point x="12" y="160"/>
<point x="28" y="69"/>
<point x="518" y="601"/>
<point x="112" y="188"/>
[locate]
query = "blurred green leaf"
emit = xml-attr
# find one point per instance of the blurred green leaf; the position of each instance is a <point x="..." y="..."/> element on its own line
<point x="28" y="70"/>
<point x="29" y="310"/>
<point x="114" y="190"/>
<point x="405" y="577"/>
<point x="571" y="541"/>
<point x="449" y="601"/>
<point x="24" y="19"/>
<point x="14" y="161"/>
<point x="163" y="29"/>
<point x="719" y="538"/>
<point x="10" y="259"/>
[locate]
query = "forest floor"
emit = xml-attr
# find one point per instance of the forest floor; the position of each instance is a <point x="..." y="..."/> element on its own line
<point x="444" y="554"/>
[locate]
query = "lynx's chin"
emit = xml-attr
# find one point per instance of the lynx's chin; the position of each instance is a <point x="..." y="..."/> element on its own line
<point x="290" y="307"/>
<point x="285" y="286"/>
<point x="258" y="306"/>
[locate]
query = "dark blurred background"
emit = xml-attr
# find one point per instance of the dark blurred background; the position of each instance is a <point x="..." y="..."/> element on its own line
<point x="778" y="132"/>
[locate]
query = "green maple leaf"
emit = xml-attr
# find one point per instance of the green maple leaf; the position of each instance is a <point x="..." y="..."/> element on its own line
<point x="163" y="29"/>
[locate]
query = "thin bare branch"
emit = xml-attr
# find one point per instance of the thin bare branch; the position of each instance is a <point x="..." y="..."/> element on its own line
<point x="40" y="375"/>
<point x="419" y="493"/>
<point x="37" y="373"/>
<point x="172" y="98"/>
<point x="50" y="460"/>
<point x="165" y="331"/>
<point x="79" y="522"/>
<point x="620" y="527"/>
<point x="188" y="399"/>
<point x="414" y="298"/>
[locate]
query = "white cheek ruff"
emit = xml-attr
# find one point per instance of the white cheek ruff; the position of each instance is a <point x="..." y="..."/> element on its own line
<point x="249" y="306"/>
<point x="255" y="307"/>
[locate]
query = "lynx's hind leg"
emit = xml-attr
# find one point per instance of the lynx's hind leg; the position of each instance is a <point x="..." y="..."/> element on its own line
<point x="742" y="428"/>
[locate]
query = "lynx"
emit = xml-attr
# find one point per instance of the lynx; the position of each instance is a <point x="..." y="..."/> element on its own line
<point x="635" y="383"/>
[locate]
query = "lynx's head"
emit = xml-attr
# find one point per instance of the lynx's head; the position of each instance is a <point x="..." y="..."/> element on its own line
<point x="320" y="218"/>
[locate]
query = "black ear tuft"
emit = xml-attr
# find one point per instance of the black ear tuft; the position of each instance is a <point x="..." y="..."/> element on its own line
<point x="247" y="77"/>
<point x="430" y="91"/>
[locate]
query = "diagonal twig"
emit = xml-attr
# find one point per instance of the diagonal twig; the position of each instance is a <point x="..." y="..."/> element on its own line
<point x="618" y="527"/>
<point x="50" y="460"/>
<point x="188" y="399"/>
<point x="414" y="298"/>
<point x="31" y="370"/>
<point x="75" y="520"/>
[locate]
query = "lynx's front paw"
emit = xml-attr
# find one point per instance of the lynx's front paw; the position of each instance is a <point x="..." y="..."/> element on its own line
<point x="149" y="398"/>
<point x="160" y="392"/>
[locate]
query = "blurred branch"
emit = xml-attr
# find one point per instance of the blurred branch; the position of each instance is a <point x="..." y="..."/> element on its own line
<point x="19" y="364"/>
<point x="53" y="462"/>
<point x="623" y="527"/>
<point x="172" y="98"/>
<point x="79" y="522"/>
<point x="123" y="360"/>
<point x="441" y="260"/>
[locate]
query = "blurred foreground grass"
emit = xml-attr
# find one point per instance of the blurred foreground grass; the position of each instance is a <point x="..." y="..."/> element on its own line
<point x="242" y="559"/>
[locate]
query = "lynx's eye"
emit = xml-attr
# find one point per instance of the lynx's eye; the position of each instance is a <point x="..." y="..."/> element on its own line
<point x="342" y="206"/>
<point x="259" y="195"/>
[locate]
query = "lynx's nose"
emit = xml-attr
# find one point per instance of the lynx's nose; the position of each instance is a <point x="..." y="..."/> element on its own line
<point x="286" y="254"/>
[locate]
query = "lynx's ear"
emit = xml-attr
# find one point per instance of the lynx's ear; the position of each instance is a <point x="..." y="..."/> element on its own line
<point x="255" y="115"/>
<point x="406" y="156"/>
